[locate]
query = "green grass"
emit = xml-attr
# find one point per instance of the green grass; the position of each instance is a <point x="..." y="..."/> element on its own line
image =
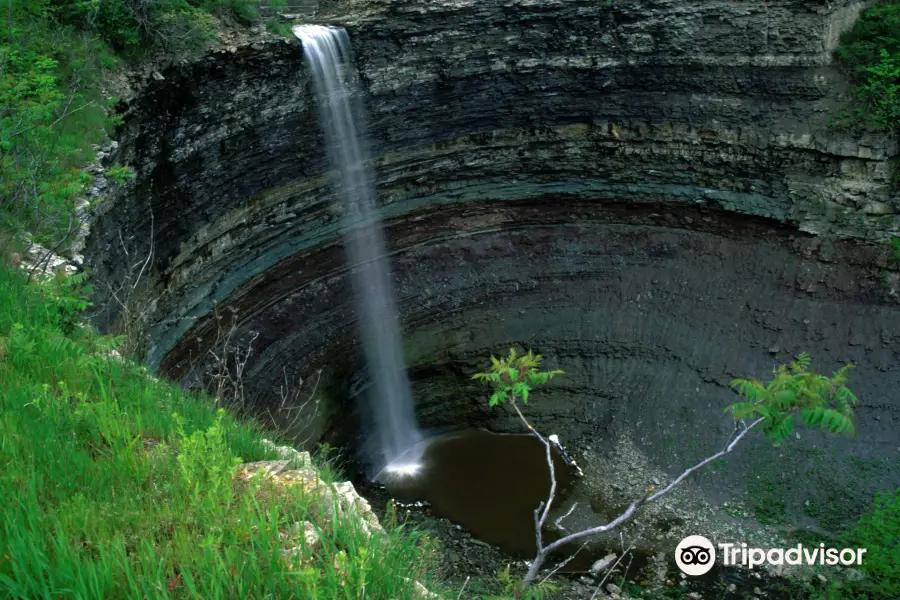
<point x="108" y="494"/>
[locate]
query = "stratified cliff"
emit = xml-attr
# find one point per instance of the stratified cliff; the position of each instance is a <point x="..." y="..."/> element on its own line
<point x="647" y="192"/>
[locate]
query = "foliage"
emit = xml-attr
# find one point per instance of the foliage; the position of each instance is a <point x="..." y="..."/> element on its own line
<point x="878" y="28"/>
<point x="41" y="141"/>
<point x="131" y="26"/>
<point x="278" y="28"/>
<point x="879" y="532"/>
<point x="877" y="97"/>
<point x="55" y="60"/>
<point x="206" y="466"/>
<point x="515" y="376"/>
<point x="106" y="494"/>
<point x="871" y="52"/>
<point x="820" y="401"/>
<point x="895" y="250"/>
<point x="71" y="295"/>
<point x="512" y="590"/>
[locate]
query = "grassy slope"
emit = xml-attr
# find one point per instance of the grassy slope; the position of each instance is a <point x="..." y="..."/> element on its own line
<point x="94" y="508"/>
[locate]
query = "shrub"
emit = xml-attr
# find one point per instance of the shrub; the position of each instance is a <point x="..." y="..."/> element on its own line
<point x="871" y="53"/>
<point x="53" y="56"/>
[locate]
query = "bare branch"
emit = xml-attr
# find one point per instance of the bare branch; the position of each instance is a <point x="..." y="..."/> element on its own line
<point x="543" y="552"/>
<point x="707" y="460"/>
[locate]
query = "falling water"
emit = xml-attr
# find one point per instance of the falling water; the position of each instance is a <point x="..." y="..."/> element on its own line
<point x="327" y="51"/>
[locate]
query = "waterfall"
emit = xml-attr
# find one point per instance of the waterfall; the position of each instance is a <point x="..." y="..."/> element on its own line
<point x="327" y="51"/>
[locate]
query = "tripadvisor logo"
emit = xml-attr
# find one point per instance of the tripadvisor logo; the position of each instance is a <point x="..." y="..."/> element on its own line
<point x="695" y="555"/>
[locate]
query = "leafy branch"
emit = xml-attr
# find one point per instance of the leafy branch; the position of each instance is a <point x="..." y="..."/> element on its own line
<point x="821" y="402"/>
<point x="515" y="376"/>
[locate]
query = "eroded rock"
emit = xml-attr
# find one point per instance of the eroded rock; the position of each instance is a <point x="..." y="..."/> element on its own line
<point x="643" y="191"/>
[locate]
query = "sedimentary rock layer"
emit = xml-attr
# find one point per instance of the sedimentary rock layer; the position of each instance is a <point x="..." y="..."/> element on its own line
<point x="649" y="192"/>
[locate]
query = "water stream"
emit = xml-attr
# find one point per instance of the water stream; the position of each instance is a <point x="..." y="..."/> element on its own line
<point x="341" y="114"/>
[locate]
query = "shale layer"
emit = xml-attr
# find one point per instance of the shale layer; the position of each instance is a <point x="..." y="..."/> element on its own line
<point x="647" y="192"/>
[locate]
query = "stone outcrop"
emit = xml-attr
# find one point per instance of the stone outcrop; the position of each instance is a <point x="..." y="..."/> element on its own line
<point x="337" y="501"/>
<point x="648" y="192"/>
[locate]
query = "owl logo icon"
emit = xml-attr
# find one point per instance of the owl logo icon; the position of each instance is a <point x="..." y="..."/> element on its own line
<point x="695" y="555"/>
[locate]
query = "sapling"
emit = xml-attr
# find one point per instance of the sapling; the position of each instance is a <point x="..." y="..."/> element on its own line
<point x="794" y="391"/>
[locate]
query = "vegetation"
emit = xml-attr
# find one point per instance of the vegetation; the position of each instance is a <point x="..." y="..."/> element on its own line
<point x="794" y="391"/>
<point x="871" y="53"/>
<point x="118" y="485"/>
<point x="55" y="56"/>
<point x="894" y="257"/>
<point x="820" y="401"/>
<point x="515" y="376"/>
<point x="49" y="117"/>
<point x="879" y="531"/>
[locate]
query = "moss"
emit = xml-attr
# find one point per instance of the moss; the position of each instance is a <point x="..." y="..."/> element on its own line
<point x="894" y="258"/>
<point x="769" y="507"/>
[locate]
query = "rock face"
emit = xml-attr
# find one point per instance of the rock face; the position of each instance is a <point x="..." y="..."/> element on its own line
<point x="645" y="191"/>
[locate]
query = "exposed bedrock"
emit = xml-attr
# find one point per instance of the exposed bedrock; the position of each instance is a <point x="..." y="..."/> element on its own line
<point x="648" y="193"/>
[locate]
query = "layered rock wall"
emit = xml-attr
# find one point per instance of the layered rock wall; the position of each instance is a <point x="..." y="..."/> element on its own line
<point x="647" y="191"/>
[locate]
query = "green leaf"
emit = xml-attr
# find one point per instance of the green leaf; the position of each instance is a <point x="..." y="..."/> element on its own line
<point x="784" y="398"/>
<point x="787" y="427"/>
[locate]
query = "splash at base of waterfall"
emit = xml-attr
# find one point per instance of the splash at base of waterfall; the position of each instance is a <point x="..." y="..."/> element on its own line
<point x="409" y="464"/>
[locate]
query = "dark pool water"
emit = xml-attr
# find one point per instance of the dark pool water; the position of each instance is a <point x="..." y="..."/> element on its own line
<point x="488" y="483"/>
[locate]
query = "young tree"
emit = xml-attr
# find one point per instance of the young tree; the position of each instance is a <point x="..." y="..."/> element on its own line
<point x="794" y="392"/>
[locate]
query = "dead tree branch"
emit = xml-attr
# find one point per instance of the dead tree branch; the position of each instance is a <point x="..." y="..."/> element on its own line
<point x="542" y="511"/>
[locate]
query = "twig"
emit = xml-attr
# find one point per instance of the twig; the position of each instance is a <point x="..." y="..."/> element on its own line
<point x="710" y="459"/>
<point x="611" y="569"/>
<point x="459" y="595"/>
<point x="563" y="563"/>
